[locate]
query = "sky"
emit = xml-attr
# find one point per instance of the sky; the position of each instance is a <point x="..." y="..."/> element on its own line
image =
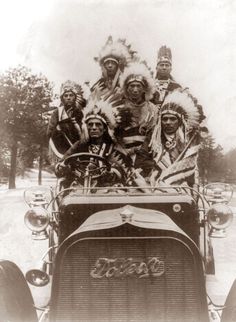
<point x="60" y="38"/>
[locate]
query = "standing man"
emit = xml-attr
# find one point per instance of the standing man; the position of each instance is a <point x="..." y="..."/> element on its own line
<point x="137" y="115"/>
<point x="164" y="81"/>
<point x="113" y="58"/>
<point x="64" y="127"/>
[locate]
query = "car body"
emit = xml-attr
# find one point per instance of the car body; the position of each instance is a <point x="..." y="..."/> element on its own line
<point x="128" y="260"/>
<point x="124" y="253"/>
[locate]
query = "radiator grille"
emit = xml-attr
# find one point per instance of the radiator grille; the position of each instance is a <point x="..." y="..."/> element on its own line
<point x="172" y="296"/>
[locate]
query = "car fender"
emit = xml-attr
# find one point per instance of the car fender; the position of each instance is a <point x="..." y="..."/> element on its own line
<point x="16" y="302"/>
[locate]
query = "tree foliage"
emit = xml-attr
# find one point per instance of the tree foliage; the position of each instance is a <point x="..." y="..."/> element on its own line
<point x="211" y="161"/>
<point x="230" y="158"/>
<point x="24" y="97"/>
<point x="4" y="159"/>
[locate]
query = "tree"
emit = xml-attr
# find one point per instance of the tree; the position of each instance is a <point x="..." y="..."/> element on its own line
<point x="231" y="166"/>
<point x="4" y="159"/>
<point x="24" y="97"/>
<point x="211" y="161"/>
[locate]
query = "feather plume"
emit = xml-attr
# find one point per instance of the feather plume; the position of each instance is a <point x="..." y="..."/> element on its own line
<point x="141" y="69"/>
<point x="71" y="86"/>
<point x="117" y="49"/>
<point x="164" y="54"/>
<point x="181" y="103"/>
<point x="102" y="109"/>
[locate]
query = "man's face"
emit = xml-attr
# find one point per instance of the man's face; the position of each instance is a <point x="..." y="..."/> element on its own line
<point x="164" y="69"/>
<point x="135" y="91"/>
<point x="169" y="123"/>
<point x="95" y="128"/>
<point x="68" y="98"/>
<point x="111" y="67"/>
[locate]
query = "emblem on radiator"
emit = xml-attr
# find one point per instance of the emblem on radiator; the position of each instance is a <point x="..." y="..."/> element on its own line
<point x="122" y="267"/>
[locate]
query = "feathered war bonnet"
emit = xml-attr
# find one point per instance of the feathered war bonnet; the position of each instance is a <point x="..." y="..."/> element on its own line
<point x="103" y="111"/>
<point x="164" y="55"/>
<point x="70" y="86"/>
<point x="117" y="51"/>
<point x="180" y="104"/>
<point x="140" y="72"/>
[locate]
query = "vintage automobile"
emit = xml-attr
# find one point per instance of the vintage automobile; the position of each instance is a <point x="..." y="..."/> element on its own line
<point x="121" y="253"/>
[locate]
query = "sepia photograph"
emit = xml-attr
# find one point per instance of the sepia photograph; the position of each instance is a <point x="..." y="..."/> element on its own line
<point x="118" y="161"/>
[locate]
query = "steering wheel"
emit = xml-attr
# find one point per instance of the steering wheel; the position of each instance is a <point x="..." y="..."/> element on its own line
<point x="87" y="164"/>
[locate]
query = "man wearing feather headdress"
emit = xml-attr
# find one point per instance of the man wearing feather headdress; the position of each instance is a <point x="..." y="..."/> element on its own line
<point x="64" y="127"/>
<point x="98" y="138"/>
<point x="169" y="155"/>
<point x="136" y="114"/>
<point x="164" y="81"/>
<point x="113" y="58"/>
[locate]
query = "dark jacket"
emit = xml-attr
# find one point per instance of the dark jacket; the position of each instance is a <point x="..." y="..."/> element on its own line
<point x="117" y="159"/>
<point x="159" y="97"/>
<point x="64" y="133"/>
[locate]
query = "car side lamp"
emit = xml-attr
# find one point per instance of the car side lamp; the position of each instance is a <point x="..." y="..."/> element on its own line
<point x="39" y="276"/>
<point x="219" y="215"/>
<point x="37" y="217"/>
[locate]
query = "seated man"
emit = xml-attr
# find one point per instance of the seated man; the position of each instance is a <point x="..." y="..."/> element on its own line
<point x="64" y="127"/>
<point x="97" y="133"/>
<point x="169" y="155"/>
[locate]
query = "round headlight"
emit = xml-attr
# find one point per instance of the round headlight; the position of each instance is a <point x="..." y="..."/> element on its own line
<point x="219" y="216"/>
<point x="37" y="219"/>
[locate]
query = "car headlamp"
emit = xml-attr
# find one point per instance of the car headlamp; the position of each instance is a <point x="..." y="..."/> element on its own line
<point x="37" y="219"/>
<point x="35" y="196"/>
<point x="219" y="216"/>
<point x="216" y="192"/>
<point x="38" y="276"/>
